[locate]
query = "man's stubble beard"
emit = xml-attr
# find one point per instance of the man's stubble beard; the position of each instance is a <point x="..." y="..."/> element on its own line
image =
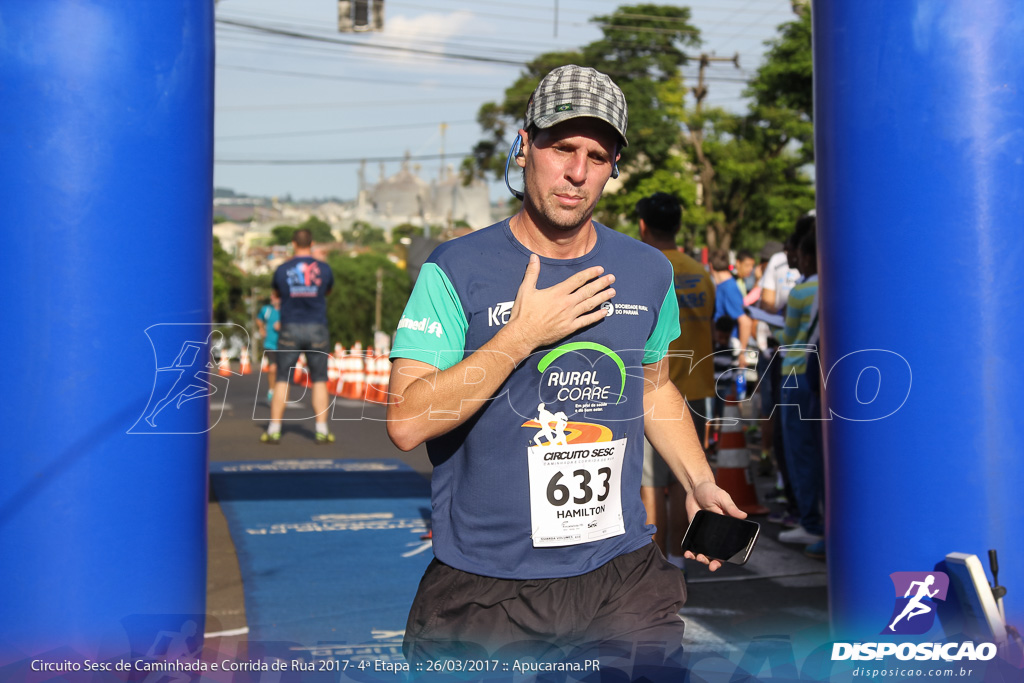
<point x="553" y="215"/>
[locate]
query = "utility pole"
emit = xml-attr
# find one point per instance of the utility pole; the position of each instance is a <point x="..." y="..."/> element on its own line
<point x="444" y="129"/>
<point x="380" y="300"/>
<point x="706" y="171"/>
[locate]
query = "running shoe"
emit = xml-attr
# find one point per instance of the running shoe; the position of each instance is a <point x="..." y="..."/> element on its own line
<point x="816" y="550"/>
<point x="267" y="437"/>
<point x="799" y="535"/>
<point x="324" y="438"/>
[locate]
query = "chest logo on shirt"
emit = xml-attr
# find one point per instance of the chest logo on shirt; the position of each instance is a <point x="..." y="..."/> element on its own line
<point x="586" y="385"/>
<point x="498" y="314"/>
<point x="611" y="309"/>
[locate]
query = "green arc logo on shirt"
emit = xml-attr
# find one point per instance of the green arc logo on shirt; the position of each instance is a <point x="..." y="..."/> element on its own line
<point x="554" y="354"/>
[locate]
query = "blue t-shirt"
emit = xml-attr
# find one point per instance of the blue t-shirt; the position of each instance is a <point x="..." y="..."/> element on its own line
<point x="303" y="284"/>
<point x="270" y="315"/>
<point x="574" y="405"/>
<point x="729" y="300"/>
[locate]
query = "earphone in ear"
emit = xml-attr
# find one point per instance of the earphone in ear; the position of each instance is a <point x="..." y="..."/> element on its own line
<point x="516" y="150"/>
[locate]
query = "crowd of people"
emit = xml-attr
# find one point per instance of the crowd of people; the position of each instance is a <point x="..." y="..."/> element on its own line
<point x="753" y="317"/>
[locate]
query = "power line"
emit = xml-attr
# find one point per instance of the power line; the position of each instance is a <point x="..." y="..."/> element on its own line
<point x="339" y="131"/>
<point x="356" y="79"/>
<point x="344" y="105"/>
<point x="370" y="46"/>
<point x="335" y="162"/>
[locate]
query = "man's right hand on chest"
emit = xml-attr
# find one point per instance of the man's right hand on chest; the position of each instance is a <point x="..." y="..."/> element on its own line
<point x="543" y="316"/>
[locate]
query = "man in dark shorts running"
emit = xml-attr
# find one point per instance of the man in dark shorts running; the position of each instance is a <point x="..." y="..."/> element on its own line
<point x="542" y="545"/>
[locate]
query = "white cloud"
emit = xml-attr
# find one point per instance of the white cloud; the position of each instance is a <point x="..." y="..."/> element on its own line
<point x="431" y="27"/>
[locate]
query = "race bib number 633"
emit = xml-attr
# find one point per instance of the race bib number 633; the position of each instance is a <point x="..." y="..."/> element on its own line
<point x="575" y="492"/>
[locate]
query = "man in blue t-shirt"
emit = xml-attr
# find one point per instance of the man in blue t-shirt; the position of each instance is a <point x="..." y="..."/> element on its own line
<point x="303" y="284"/>
<point x="268" y="322"/>
<point x="533" y="381"/>
<point x="729" y="300"/>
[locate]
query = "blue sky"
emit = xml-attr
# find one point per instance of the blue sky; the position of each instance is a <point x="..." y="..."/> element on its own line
<point x="287" y="99"/>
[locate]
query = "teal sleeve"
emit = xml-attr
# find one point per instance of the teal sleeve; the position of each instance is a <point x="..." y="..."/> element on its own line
<point x="433" y="326"/>
<point x="666" y="329"/>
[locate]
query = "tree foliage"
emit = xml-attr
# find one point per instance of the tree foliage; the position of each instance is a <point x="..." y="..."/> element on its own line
<point x="750" y="167"/>
<point x="228" y="288"/>
<point x="645" y="62"/>
<point x="761" y="158"/>
<point x="351" y="306"/>
<point x="321" y="230"/>
<point x="362" y="234"/>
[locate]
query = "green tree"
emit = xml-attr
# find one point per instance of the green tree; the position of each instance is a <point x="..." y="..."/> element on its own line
<point x="410" y="230"/>
<point x="351" y="306"/>
<point x="362" y="234"/>
<point x="320" y="229"/>
<point x="753" y="167"/>
<point x="643" y="51"/>
<point x="228" y="288"/>
<point x="282" y="234"/>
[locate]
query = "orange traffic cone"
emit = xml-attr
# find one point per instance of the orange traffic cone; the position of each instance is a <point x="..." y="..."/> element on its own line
<point x="265" y="364"/>
<point x="383" y="375"/>
<point x="342" y="363"/>
<point x="246" y="363"/>
<point x="332" y="375"/>
<point x="733" y="470"/>
<point x="224" y="367"/>
<point x="370" y="383"/>
<point x="377" y="390"/>
<point x="358" y="375"/>
<point x="301" y="374"/>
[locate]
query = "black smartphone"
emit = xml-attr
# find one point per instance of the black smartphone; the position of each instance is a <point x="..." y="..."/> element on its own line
<point x="719" y="537"/>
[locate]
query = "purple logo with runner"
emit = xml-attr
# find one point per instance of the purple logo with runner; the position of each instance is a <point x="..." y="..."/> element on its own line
<point x="916" y="595"/>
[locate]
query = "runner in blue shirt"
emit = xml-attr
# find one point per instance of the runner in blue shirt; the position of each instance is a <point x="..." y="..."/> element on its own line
<point x="268" y="322"/>
<point x="533" y="381"/>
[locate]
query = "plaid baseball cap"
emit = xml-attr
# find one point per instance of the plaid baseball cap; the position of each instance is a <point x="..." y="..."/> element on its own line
<point x="570" y="92"/>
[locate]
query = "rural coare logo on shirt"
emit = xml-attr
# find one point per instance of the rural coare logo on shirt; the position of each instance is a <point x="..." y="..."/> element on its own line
<point x="593" y="385"/>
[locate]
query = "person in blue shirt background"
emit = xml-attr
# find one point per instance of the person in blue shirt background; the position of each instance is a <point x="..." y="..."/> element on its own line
<point x="268" y="323"/>
<point x="729" y="299"/>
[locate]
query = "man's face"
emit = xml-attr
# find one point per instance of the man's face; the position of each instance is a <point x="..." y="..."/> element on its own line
<point x="745" y="267"/>
<point x="566" y="168"/>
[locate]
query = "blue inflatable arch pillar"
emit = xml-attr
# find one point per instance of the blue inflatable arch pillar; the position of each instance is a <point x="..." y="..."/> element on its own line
<point x="919" y="120"/>
<point x="106" y="140"/>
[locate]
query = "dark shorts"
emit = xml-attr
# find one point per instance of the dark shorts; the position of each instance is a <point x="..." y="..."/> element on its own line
<point x="270" y="355"/>
<point x="626" y="610"/>
<point x="311" y="339"/>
